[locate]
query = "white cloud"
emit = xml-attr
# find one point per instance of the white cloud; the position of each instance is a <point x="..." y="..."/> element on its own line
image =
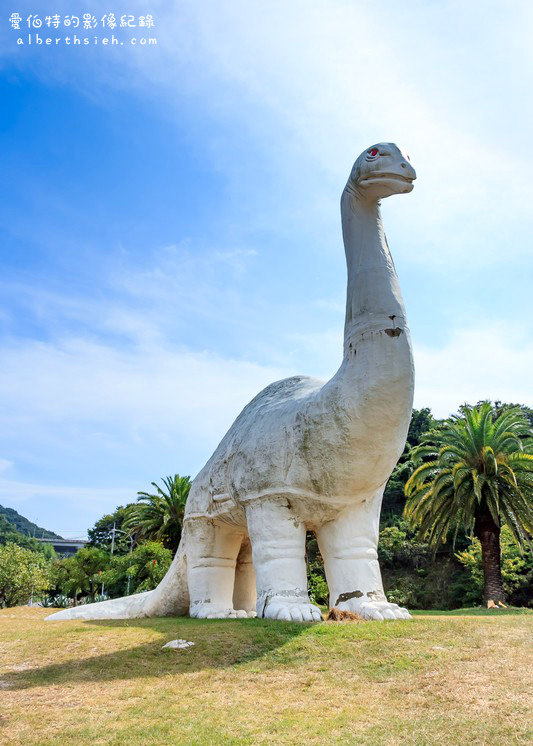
<point x="494" y="362"/>
<point x="124" y="414"/>
<point x="5" y="464"/>
<point x="76" y="507"/>
<point x="306" y="86"/>
<point x="312" y="84"/>
<point x="491" y="362"/>
<point x="19" y="492"/>
<point x="150" y="391"/>
<point x="237" y="259"/>
<point x="75" y="412"/>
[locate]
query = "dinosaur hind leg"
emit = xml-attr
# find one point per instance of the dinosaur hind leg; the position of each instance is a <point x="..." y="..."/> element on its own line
<point x="244" y="592"/>
<point x="212" y="550"/>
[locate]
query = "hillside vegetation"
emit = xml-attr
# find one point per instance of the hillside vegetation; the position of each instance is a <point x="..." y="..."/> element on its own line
<point x="24" y="526"/>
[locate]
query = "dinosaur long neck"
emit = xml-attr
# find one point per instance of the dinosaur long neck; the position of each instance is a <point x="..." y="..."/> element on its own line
<point x="358" y="421"/>
<point x="374" y="300"/>
<point x="372" y="391"/>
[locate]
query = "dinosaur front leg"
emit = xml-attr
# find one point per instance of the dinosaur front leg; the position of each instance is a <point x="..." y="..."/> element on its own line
<point x="348" y="546"/>
<point x="212" y="549"/>
<point x="278" y="550"/>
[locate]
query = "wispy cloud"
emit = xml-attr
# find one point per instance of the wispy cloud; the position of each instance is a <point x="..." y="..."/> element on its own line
<point x="87" y="413"/>
<point x="94" y="411"/>
<point x="307" y="86"/>
<point x="77" y="506"/>
<point x="5" y="464"/>
<point x="490" y="363"/>
<point x="313" y="84"/>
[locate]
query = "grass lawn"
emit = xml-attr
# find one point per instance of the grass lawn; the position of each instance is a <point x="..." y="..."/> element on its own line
<point x="439" y="679"/>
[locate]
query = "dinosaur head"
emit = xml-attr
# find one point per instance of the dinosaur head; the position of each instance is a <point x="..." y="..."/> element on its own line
<point x="382" y="170"/>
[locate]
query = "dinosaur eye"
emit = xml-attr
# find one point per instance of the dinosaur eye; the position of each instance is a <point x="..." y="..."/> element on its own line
<point x="372" y="154"/>
<point x="374" y="151"/>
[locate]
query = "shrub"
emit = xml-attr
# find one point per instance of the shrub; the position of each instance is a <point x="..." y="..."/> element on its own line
<point x="516" y="568"/>
<point x="145" y="567"/>
<point x="318" y="588"/>
<point x="80" y="574"/>
<point x="22" y="573"/>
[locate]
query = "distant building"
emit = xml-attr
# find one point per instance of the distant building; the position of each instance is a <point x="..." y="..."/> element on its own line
<point x="65" y="547"/>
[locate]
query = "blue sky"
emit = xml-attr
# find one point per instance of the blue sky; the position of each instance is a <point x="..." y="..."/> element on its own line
<point x="170" y="235"/>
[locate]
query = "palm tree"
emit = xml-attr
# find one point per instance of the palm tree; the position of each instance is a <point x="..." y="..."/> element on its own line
<point x="477" y="473"/>
<point x="160" y="516"/>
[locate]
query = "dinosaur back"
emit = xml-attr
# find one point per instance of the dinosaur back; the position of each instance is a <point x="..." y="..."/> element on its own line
<point x="253" y="455"/>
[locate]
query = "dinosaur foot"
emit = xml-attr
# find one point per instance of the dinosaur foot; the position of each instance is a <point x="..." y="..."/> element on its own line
<point x="291" y="611"/>
<point x="374" y="610"/>
<point x="210" y="611"/>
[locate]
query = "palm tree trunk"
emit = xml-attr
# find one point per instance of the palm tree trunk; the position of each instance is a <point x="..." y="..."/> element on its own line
<point x="488" y="533"/>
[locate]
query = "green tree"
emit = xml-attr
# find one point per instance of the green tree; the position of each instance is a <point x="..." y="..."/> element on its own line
<point x="101" y="534"/>
<point x="394" y="497"/>
<point x="500" y="407"/>
<point x="416" y="576"/>
<point x="81" y="574"/>
<point x="67" y="579"/>
<point x="316" y="577"/>
<point x="159" y="516"/>
<point x="10" y="535"/>
<point x="517" y="569"/>
<point x="140" y="570"/>
<point x="422" y="421"/>
<point x="22" y="573"/>
<point x="476" y="475"/>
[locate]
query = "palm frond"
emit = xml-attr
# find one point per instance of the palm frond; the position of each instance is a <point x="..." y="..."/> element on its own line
<point x="477" y="462"/>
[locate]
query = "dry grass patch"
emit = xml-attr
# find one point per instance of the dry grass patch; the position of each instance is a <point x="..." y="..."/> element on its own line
<point x="435" y="680"/>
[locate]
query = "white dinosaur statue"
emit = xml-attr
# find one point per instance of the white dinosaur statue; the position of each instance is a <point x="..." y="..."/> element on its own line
<point x="305" y="455"/>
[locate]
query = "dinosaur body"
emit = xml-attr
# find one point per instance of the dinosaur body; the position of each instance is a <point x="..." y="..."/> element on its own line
<point x="305" y="455"/>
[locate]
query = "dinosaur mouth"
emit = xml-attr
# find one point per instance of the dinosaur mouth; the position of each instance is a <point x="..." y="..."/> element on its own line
<point x="383" y="175"/>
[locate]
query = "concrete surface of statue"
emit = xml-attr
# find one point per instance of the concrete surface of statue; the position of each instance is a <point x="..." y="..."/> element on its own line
<point x="305" y="455"/>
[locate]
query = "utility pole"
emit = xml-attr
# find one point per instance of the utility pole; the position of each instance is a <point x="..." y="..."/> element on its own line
<point x="114" y="531"/>
<point x="129" y="576"/>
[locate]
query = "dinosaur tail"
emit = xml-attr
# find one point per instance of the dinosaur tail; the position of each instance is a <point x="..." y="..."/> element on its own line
<point x="170" y="598"/>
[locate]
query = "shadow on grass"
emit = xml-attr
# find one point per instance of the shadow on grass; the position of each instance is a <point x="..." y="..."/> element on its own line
<point x="218" y="644"/>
